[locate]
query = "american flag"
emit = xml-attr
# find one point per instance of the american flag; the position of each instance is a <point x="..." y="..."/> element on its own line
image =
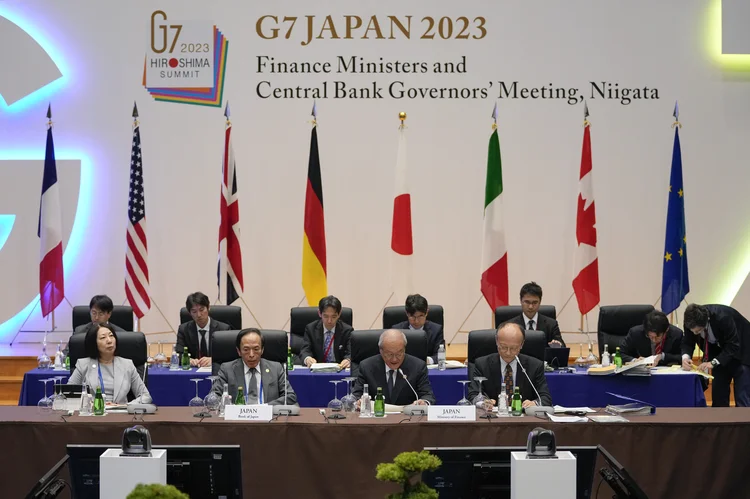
<point x="229" y="227"/>
<point x="136" y="258"/>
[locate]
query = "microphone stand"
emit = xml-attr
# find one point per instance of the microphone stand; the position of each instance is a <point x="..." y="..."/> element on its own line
<point x="540" y="407"/>
<point x="412" y="409"/>
<point x="286" y="409"/>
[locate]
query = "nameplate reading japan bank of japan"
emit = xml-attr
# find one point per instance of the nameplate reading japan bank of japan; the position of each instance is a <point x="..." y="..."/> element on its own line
<point x="451" y="413"/>
<point x="249" y="413"/>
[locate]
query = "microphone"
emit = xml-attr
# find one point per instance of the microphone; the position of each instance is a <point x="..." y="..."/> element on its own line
<point x="287" y="410"/>
<point x="412" y="409"/>
<point x="532" y="411"/>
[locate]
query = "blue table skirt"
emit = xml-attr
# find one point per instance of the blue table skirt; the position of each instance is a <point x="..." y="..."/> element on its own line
<point x="174" y="388"/>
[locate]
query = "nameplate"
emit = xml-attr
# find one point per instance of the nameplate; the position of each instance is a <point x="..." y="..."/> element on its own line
<point x="446" y="413"/>
<point x="248" y="413"/>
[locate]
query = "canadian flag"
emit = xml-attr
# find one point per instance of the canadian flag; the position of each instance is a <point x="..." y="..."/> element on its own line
<point x="586" y="281"/>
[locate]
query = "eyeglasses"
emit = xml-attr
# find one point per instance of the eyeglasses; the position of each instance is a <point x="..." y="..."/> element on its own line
<point x="393" y="356"/>
<point x="509" y="349"/>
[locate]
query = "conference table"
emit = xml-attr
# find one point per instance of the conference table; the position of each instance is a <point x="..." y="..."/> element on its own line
<point x="683" y="452"/>
<point x="175" y="388"/>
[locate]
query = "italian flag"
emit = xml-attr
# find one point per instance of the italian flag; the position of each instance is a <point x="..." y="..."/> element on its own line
<point x="494" y="252"/>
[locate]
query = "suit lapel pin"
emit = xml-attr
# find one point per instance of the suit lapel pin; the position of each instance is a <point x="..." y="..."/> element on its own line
<point x="268" y="370"/>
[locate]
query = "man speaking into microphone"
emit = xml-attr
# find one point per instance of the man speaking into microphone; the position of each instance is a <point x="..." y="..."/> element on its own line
<point x="504" y="367"/>
<point x="403" y="377"/>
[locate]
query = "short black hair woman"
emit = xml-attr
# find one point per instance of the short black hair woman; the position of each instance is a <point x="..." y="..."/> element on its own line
<point x="102" y="367"/>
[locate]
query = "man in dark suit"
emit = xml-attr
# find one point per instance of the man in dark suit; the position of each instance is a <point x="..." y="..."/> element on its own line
<point x="416" y="313"/>
<point x="655" y="337"/>
<point x="503" y="367"/>
<point x="100" y="310"/>
<point x="388" y="369"/>
<point x="531" y="299"/>
<point x="723" y="335"/>
<point x="196" y="334"/>
<point x="262" y="380"/>
<point x="327" y="339"/>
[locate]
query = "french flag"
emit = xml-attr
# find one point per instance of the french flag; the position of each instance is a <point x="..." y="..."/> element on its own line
<point x="51" y="282"/>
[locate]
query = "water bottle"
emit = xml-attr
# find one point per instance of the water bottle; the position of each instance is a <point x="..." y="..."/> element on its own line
<point x="86" y="401"/>
<point x="174" y="363"/>
<point x="502" y="402"/>
<point x="59" y="357"/>
<point x="98" y="403"/>
<point x="226" y="400"/>
<point x="185" y="359"/>
<point x="441" y="358"/>
<point x="618" y="358"/>
<point x="289" y="359"/>
<point x="516" y="405"/>
<point x="380" y="403"/>
<point x="365" y="403"/>
<point x="605" y="356"/>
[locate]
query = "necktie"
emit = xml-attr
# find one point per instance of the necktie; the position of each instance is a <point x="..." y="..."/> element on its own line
<point x="531" y="324"/>
<point x="252" y="388"/>
<point x="328" y="348"/>
<point x="203" y="350"/>
<point x="509" y="382"/>
<point x="391" y="383"/>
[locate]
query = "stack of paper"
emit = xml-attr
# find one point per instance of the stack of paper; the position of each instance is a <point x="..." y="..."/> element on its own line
<point x="449" y="364"/>
<point x="567" y="419"/>
<point x="325" y="367"/>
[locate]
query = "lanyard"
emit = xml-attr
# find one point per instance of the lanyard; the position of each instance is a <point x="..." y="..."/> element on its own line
<point x="333" y="337"/>
<point x="247" y="390"/>
<point x="705" y="348"/>
<point x="101" y="380"/>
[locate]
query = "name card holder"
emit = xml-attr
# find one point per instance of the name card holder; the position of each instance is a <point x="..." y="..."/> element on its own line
<point x="250" y="413"/>
<point x="451" y="413"/>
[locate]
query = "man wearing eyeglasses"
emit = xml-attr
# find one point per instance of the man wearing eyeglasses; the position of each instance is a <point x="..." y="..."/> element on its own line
<point x="723" y="334"/>
<point x="503" y="368"/>
<point x="388" y="369"/>
<point x="100" y="310"/>
<point x="655" y="337"/>
<point x="531" y="300"/>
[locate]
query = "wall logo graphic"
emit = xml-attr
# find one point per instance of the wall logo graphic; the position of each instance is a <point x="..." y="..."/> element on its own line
<point x="27" y="67"/>
<point x="185" y="61"/>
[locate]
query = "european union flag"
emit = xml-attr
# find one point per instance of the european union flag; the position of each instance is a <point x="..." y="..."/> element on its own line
<point x="675" y="284"/>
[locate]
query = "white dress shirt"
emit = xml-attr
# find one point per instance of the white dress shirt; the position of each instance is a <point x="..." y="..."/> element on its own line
<point x="248" y="375"/>
<point x="711" y="339"/>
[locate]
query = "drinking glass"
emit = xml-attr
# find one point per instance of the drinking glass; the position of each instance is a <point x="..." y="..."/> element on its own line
<point x="160" y="358"/>
<point x="349" y="401"/>
<point x="58" y="399"/>
<point x="335" y="405"/>
<point x="212" y="401"/>
<point x="196" y="403"/>
<point x="43" y="361"/>
<point x="45" y="403"/>
<point x="464" y="401"/>
<point x="581" y="360"/>
<point x="150" y="360"/>
<point x="481" y="402"/>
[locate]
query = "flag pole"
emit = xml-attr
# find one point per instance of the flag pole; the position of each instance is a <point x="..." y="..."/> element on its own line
<point x="382" y="308"/>
<point x="288" y="319"/>
<point x="467" y="318"/>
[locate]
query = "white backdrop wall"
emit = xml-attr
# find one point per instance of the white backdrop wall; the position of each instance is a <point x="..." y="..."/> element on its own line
<point x="100" y="47"/>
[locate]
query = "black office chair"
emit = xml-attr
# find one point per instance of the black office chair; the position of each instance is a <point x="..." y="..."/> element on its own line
<point x="482" y="342"/>
<point x="130" y="345"/>
<point x="228" y="314"/>
<point x="614" y="323"/>
<point x="394" y="315"/>
<point x="224" y="347"/>
<point x="364" y="344"/>
<point x="122" y="316"/>
<point x="299" y="317"/>
<point x="503" y="314"/>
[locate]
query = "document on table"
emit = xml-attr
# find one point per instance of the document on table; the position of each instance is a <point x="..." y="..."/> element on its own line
<point x="206" y="369"/>
<point x="559" y="408"/>
<point x="567" y="419"/>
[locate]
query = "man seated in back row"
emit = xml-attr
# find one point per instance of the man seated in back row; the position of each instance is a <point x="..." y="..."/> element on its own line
<point x="196" y="334"/>
<point x="327" y="339"/>
<point x="100" y="310"/>
<point x="416" y="313"/>
<point x="531" y="299"/>
<point x="389" y="371"/>
<point x="655" y="337"/>
<point x="504" y="367"/>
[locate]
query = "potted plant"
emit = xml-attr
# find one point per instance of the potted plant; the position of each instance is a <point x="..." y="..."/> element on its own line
<point x="156" y="491"/>
<point x="406" y="466"/>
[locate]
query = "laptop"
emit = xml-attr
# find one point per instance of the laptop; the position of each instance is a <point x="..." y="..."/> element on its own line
<point x="556" y="357"/>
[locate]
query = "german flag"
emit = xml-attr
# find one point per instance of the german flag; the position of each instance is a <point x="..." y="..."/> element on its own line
<point x="314" y="280"/>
